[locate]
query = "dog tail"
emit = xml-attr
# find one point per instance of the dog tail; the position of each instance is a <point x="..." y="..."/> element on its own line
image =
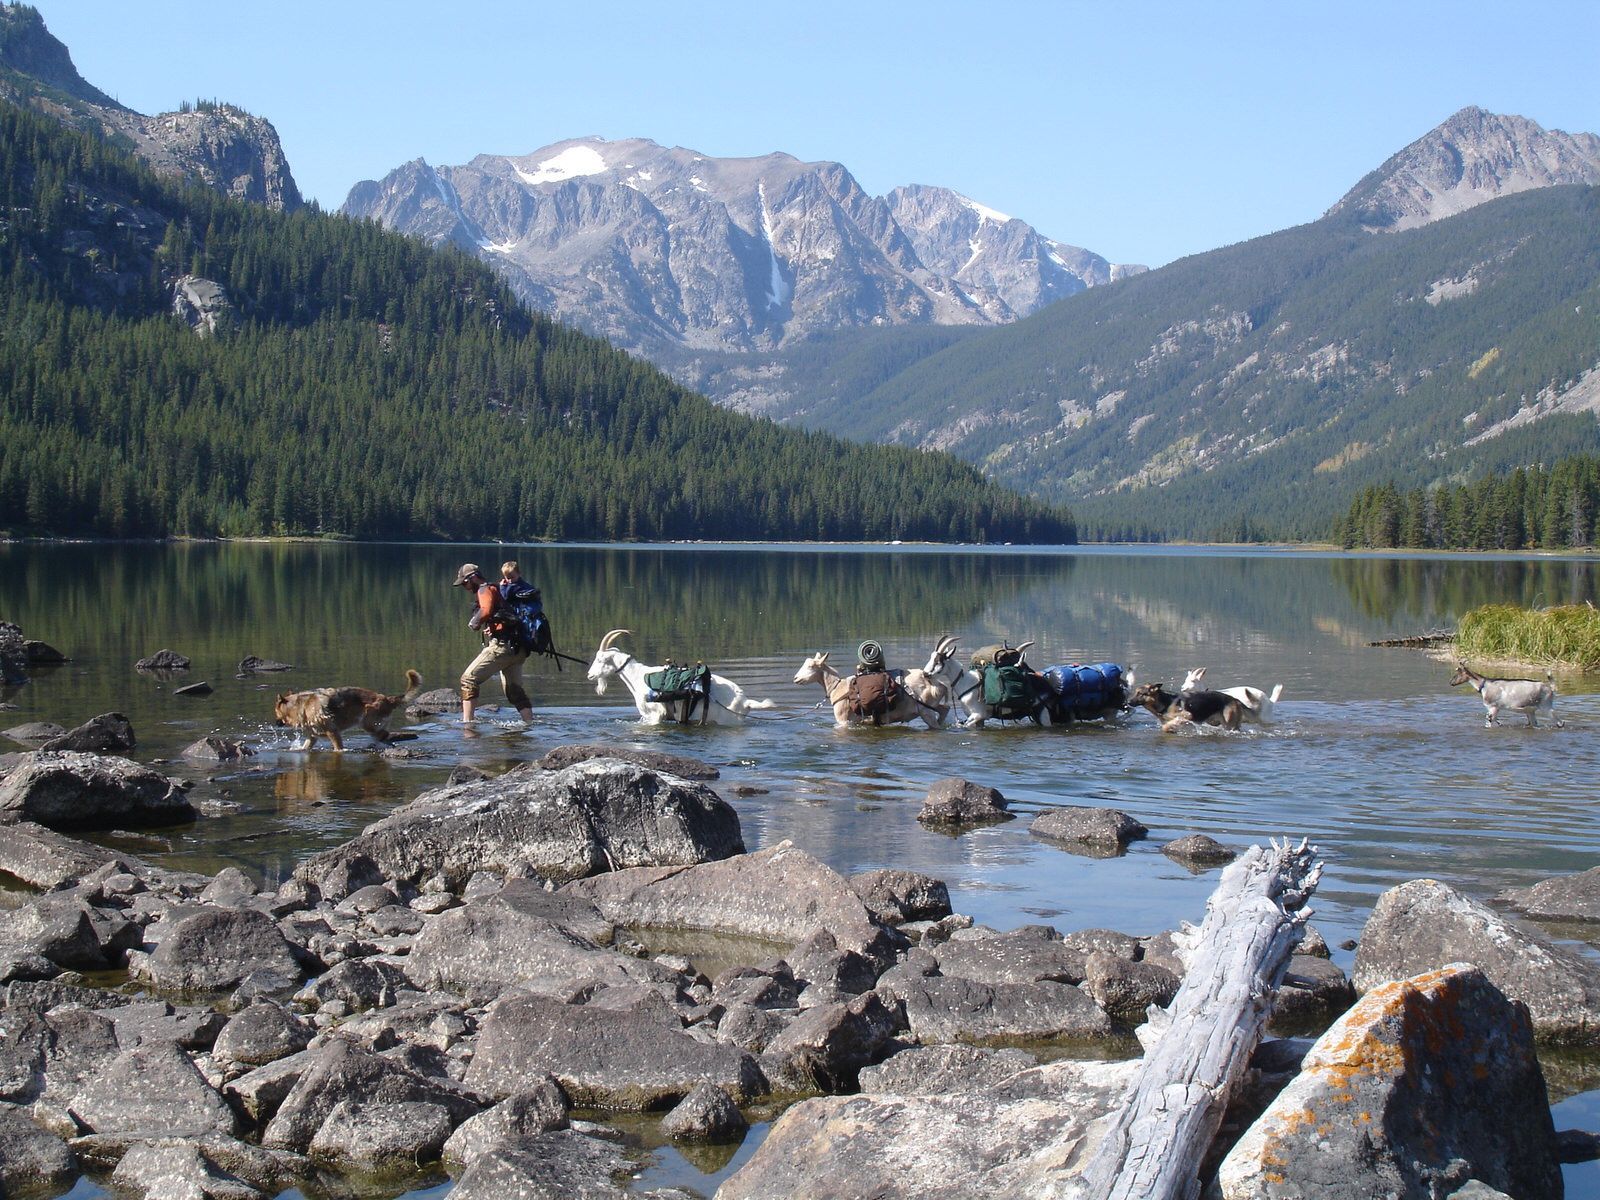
<point x="1277" y="691"/>
<point x="413" y="683"/>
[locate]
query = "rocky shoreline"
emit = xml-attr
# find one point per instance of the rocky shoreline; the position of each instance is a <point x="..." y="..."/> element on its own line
<point x="450" y="985"/>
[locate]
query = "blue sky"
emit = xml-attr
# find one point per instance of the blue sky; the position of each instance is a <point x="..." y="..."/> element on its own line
<point x="1142" y="130"/>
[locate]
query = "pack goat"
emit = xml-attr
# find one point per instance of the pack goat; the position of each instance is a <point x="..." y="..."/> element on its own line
<point x="920" y="696"/>
<point x="728" y="705"/>
<point x="1201" y="707"/>
<point x="1256" y="704"/>
<point x="1526" y="696"/>
<point x="965" y="684"/>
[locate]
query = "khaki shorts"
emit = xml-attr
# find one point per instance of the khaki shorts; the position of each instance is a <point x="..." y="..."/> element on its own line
<point x="502" y="658"/>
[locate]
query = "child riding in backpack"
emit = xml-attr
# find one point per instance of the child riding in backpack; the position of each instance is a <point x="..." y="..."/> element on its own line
<point x="522" y="612"/>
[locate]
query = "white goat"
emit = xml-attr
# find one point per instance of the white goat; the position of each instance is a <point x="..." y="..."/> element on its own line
<point x="1526" y="696"/>
<point x="966" y="684"/>
<point x="919" y="696"/>
<point x="728" y="703"/>
<point x="1256" y="705"/>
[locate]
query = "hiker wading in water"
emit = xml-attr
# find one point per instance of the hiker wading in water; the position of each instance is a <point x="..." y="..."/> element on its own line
<point x="502" y="649"/>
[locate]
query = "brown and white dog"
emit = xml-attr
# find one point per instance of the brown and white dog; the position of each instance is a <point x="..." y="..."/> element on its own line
<point x="326" y="712"/>
<point x="1200" y="707"/>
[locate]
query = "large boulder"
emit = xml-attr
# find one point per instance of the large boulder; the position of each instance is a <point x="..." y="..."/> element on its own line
<point x="1425" y="925"/>
<point x="894" y="897"/>
<point x="261" y="1034"/>
<point x="214" y="949"/>
<point x="42" y="858"/>
<point x="517" y="938"/>
<point x="167" y="1168"/>
<point x="152" y="1090"/>
<point x="780" y="894"/>
<point x="705" y="1115"/>
<point x="384" y="1136"/>
<point x="602" y="1058"/>
<point x="57" y="926"/>
<point x="562" y="1164"/>
<point x="1026" y="1136"/>
<point x="1425" y="1084"/>
<point x="109" y="733"/>
<point x="65" y="789"/>
<point x="540" y="1108"/>
<point x="596" y="816"/>
<point x="826" y="1046"/>
<point x="1020" y="956"/>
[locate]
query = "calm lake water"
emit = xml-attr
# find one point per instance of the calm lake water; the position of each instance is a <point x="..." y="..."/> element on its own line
<point x="1373" y="756"/>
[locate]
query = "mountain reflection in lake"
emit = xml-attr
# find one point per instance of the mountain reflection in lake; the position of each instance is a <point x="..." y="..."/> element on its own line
<point x="1374" y="757"/>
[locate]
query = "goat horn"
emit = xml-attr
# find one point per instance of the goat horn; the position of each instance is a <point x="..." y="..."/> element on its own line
<point x="947" y="645"/>
<point x="1023" y="647"/>
<point x="610" y="639"/>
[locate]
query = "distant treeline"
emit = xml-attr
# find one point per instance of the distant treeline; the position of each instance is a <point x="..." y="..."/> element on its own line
<point x="1532" y="508"/>
<point x="364" y="384"/>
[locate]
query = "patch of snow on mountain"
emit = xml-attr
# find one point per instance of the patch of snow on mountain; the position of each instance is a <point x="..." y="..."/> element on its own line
<point x="571" y="163"/>
<point x="697" y="183"/>
<point x="777" y="287"/>
<point x="984" y="211"/>
<point x="499" y="247"/>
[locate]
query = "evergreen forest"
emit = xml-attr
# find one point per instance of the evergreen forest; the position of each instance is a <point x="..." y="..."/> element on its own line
<point x="359" y="383"/>
<point x="1532" y="508"/>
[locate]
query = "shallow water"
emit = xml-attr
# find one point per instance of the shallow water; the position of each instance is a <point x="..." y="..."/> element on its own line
<point x="1374" y="758"/>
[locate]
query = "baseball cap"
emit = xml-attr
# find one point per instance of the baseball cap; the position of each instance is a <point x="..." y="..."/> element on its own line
<point x="468" y="570"/>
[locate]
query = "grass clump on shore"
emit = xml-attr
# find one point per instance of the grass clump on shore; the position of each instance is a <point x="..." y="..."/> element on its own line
<point x="1567" y="635"/>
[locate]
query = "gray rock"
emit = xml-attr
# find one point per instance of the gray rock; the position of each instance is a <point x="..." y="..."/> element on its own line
<point x="57" y="926"/>
<point x="818" y="960"/>
<point x="748" y="1027"/>
<point x="1564" y="898"/>
<point x="1017" y="957"/>
<point x="1103" y="829"/>
<point x="995" y="1143"/>
<point x="705" y="1115"/>
<point x="45" y="995"/>
<point x="1423" y="1085"/>
<point x="893" y="897"/>
<point x="337" y="1072"/>
<point x="958" y="802"/>
<point x="601" y="1059"/>
<point x="1474" y="1190"/>
<point x="1126" y="990"/>
<point x="561" y="1165"/>
<point x="964" y="1010"/>
<point x="216" y="949"/>
<point x="155" y="1021"/>
<point x="1106" y="941"/>
<point x="595" y="816"/>
<point x="35" y="733"/>
<point x="361" y="983"/>
<point x="215" y="748"/>
<point x="780" y="894"/>
<point x="825" y="1047"/>
<point x="230" y="888"/>
<point x="515" y="939"/>
<point x="152" y="1090"/>
<point x="766" y="987"/>
<point x="259" y="1093"/>
<point x="940" y="1070"/>
<point x="177" y="1167"/>
<point x="42" y="654"/>
<point x="1198" y="850"/>
<point x="13" y="655"/>
<point x="261" y="1034"/>
<point x="65" y="790"/>
<point x="541" y="1108"/>
<point x="1313" y="993"/>
<point x="52" y="1054"/>
<point x="667" y="764"/>
<point x="201" y="688"/>
<point x="251" y="665"/>
<point x="42" y="858"/>
<point x="393" y="921"/>
<point x="32" y="1159"/>
<point x="109" y="733"/>
<point x="163" y="660"/>
<point x="382" y="1137"/>
<point x="434" y="702"/>
<point x="1425" y="925"/>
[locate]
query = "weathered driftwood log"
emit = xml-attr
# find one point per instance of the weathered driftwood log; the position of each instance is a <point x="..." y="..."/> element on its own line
<point x="1420" y="641"/>
<point x="1196" y="1050"/>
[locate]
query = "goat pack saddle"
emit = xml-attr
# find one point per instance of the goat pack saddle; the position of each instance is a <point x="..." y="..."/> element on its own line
<point x="872" y="694"/>
<point x="682" y="690"/>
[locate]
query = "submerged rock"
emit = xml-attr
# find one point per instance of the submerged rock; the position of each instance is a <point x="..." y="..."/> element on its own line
<point x="35" y="733"/>
<point x="67" y="790"/>
<point x="215" y="748"/>
<point x="1101" y="829"/>
<point x="1564" y="898"/>
<point x="958" y="802"/>
<point x="1198" y="850"/>
<point x="42" y="654"/>
<point x="596" y="816"/>
<point x="1424" y="925"/>
<point x="251" y="665"/>
<point x="163" y="660"/>
<point x="1425" y="1084"/>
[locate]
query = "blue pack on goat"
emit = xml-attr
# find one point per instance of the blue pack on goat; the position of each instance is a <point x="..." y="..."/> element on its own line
<point x="1083" y="692"/>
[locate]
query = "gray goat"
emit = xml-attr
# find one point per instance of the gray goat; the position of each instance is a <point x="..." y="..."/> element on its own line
<point x="1526" y="696"/>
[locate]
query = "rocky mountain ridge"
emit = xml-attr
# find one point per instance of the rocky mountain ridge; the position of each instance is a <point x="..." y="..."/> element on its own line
<point x="663" y="249"/>
<point x="217" y="145"/>
<point x="1472" y="157"/>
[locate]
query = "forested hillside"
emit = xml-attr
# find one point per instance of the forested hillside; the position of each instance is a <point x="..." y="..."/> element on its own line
<point x="1537" y="508"/>
<point x="355" y="381"/>
<point x="1250" y="391"/>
